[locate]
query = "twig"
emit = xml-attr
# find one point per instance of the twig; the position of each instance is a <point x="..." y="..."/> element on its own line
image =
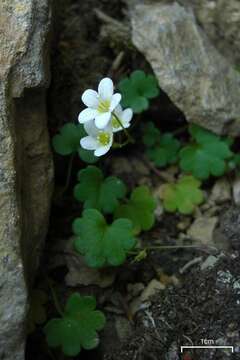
<point x="116" y="63"/>
<point x="130" y="138"/>
<point x="189" y="264"/>
<point x="162" y="175"/>
<point x="54" y="296"/>
<point x="107" y="19"/>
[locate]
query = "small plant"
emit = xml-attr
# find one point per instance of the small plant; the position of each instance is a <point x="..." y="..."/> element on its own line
<point x="100" y="243"/>
<point x="206" y="155"/>
<point x="77" y="327"/>
<point x="137" y="90"/>
<point x="97" y="192"/>
<point x="104" y="232"/>
<point x="183" y="196"/>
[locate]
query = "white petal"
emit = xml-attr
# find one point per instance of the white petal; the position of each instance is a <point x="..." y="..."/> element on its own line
<point x="102" y="120"/>
<point x="117" y="129"/>
<point x="105" y="89"/>
<point x="102" y="150"/>
<point x="116" y="98"/>
<point x="91" y="128"/>
<point x="89" y="143"/>
<point x="87" y="115"/>
<point x="127" y="115"/>
<point x="90" y="98"/>
<point x="118" y="110"/>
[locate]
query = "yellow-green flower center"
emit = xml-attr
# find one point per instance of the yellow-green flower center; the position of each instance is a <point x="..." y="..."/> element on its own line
<point x="103" y="106"/>
<point x="103" y="138"/>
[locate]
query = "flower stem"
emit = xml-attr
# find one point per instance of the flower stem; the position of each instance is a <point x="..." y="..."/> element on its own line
<point x="130" y="138"/>
<point x="120" y="145"/>
<point x="54" y="296"/>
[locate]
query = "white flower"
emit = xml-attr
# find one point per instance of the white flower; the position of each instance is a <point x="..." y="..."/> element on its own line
<point x="100" y="105"/>
<point x="98" y="140"/>
<point x="124" y="116"/>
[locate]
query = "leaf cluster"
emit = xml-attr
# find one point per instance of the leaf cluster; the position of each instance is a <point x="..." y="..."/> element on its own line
<point x="77" y="327"/>
<point x="206" y="155"/>
<point x="67" y="142"/>
<point x="104" y="244"/>
<point x="162" y="149"/>
<point x="137" y="89"/>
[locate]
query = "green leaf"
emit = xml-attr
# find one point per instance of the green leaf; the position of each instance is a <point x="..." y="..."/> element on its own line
<point x="206" y="156"/>
<point x="68" y="142"/>
<point x="139" y="209"/>
<point x="78" y="326"/>
<point x="182" y="196"/>
<point x="151" y="134"/>
<point x="137" y="89"/>
<point x="166" y="152"/>
<point x="37" y="313"/>
<point x="100" y="243"/>
<point x="97" y="192"/>
<point x="87" y="156"/>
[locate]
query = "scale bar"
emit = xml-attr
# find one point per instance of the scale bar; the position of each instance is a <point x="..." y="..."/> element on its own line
<point x="207" y="347"/>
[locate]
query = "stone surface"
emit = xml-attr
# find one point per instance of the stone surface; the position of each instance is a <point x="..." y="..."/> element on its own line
<point x="152" y="288"/>
<point x="25" y="161"/>
<point x="236" y="191"/>
<point x="202" y="230"/>
<point x="220" y="21"/>
<point x="81" y="274"/>
<point x="221" y="191"/>
<point x="194" y="74"/>
<point x="229" y="227"/>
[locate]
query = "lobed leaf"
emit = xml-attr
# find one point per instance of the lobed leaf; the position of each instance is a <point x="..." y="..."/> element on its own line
<point x="67" y="142"/>
<point x="139" y="209"/>
<point x="100" y="243"/>
<point x="206" y="156"/>
<point x="98" y="193"/>
<point x="151" y="134"/>
<point x="78" y="326"/>
<point x="166" y="152"/>
<point x="183" y="196"/>
<point x="137" y="89"/>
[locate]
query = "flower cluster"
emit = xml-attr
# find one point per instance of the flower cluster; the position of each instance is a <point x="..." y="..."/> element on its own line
<point x="103" y="117"/>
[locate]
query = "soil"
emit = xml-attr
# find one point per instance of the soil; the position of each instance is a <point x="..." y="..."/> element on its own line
<point x="205" y="307"/>
<point x="200" y="305"/>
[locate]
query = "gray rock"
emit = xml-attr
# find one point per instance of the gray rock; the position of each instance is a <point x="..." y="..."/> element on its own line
<point x="236" y="191"/>
<point x="221" y="191"/>
<point x="229" y="227"/>
<point x="196" y="77"/>
<point x="202" y="230"/>
<point x="26" y="171"/>
<point x="152" y="288"/>
<point x="209" y="262"/>
<point x="220" y="21"/>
